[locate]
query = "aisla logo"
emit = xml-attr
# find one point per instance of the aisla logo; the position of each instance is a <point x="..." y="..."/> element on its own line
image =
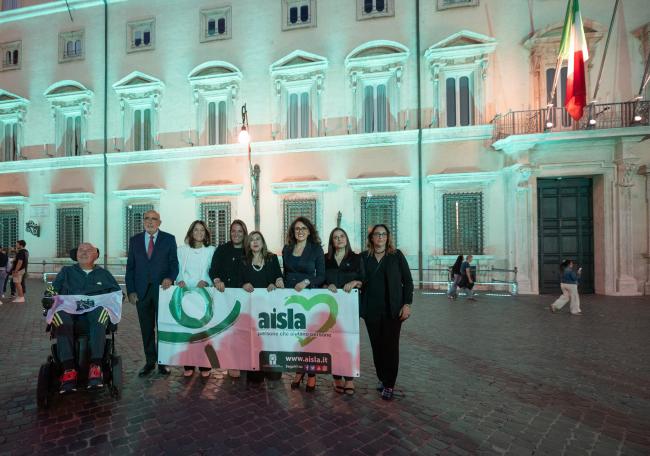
<point x="178" y="314"/>
<point x="297" y="320"/>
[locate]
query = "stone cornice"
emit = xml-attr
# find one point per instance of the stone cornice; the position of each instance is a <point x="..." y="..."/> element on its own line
<point x="69" y="197"/>
<point x="315" y="186"/>
<point x="44" y="9"/>
<point x="139" y="193"/>
<point x="216" y="190"/>
<point x="480" y="177"/>
<point x="379" y="183"/>
<point x="12" y="200"/>
<point x="518" y="143"/>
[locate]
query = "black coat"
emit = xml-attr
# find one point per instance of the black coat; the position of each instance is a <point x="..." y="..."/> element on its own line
<point x="351" y="268"/>
<point x="398" y="279"/>
<point x="261" y="279"/>
<point x="226" y="265"/>
<point x="311" y="265"/>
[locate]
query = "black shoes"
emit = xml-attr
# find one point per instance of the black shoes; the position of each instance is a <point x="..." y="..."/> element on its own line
<point x="164" y="370"/>
<point x="295" y="384"/>
<point x="387" y="394"/>
<point x="146" y="370"/>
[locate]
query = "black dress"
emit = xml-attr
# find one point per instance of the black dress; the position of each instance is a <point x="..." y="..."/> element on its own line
<point x="226" y="265"/>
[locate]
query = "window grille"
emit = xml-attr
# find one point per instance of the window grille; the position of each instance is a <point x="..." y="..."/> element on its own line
<point x="9" y="4"/>
<point x="8" y="228"/>
<point x="217" y="217"/>
<point x="69" y="230"/>
<point x="134" y="215"/>
<point x="298" y="208"/>
<point x="463" y="223"/>
<point x="378" y="209"/>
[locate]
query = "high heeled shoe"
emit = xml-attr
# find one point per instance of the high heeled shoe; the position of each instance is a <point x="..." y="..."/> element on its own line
<point x="310" y="388"/>
<point x="295" y="384"/>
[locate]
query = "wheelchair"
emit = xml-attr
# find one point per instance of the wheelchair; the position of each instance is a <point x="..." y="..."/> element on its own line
<point x="50" y="372"/>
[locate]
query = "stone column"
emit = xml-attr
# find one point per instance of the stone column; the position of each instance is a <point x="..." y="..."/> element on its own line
<point x="521" y="218"/>
<point x="645" y="170"/>
<point x="626" y="168"/>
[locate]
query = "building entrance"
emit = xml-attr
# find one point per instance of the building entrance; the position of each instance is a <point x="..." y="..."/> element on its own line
<point x="565" y="230"/>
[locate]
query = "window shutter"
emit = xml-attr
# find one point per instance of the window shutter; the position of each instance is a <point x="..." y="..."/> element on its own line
<point x="223" y="129"/>
<point x="368" y="110"/>
<point x="293" y="116"/>
<point x="465" y="107"/>
<point x="77" y="136"/>
<point x="304" y="115"/>
<point x="147" y="129"/>
<point x="217" y="217"/>
<point x="451" y="102"/>
<point x="134" y="214"/>
<point x="69" y="230"/>
<point x="137" y="130"/>
<point x="382" y="108"/>
<point x="378" y="209"/>
<point x="212" y="123"/>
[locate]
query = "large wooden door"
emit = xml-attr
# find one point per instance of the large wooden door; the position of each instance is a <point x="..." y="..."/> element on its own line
<point x="566" y="230"/>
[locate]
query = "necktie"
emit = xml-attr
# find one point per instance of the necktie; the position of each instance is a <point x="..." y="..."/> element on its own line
<point x="150" y="247"/>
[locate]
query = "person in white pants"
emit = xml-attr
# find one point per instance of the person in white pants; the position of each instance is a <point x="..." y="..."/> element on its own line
<point x="569" y="285"/>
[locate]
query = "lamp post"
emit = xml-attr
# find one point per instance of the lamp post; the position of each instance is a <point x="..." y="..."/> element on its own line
<point x="253" y="170"/>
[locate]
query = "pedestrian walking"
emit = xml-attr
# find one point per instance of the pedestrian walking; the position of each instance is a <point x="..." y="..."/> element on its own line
<point x="569" y="279"/>
<point x="455" y="278"/>
<point x="466" y="281"/>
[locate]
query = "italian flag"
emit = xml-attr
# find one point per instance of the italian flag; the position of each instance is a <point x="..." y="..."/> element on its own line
<point x="574" y="49"/>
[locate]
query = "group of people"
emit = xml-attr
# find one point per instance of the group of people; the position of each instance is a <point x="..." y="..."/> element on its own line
<point x="381" y="273"/>
<point x="13" y="269"/>
<point x="461" y="277"/>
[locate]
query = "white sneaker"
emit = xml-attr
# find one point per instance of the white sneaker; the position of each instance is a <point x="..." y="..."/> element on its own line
<point x="19" y="299"/>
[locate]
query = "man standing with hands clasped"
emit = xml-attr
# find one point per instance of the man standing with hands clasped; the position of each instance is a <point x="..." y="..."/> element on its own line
<point x="152" y="262"/>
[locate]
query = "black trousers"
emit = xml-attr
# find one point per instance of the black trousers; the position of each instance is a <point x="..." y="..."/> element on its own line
<point x="85" y="323"/>
<point x="384" y="340"/>
<point x="148" y="316"/>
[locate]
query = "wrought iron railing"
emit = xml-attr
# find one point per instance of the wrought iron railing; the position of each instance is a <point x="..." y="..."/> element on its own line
<point x="596" y="116"/>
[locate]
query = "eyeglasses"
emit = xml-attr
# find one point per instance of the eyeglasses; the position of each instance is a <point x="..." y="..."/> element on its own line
<point x="301" y="228"/>
<point x="152" y="218"/>
<point x="380" y="234"/>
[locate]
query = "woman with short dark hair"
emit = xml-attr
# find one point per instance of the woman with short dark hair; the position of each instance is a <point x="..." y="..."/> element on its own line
<point x="343" y="270"/>
<point x="304" y="267"/>
<point x="194" y="258"/>
<point x="455" y="277"/>
<point x="386" y="298"/>
<point x="569" y="284"/>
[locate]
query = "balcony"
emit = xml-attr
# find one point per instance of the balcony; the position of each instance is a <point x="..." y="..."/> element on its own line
<point x="597" y="116"/>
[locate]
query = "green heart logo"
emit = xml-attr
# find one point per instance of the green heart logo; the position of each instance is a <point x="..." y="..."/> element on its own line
<point x="308" y="304"/>
<point x="178" y="314"/>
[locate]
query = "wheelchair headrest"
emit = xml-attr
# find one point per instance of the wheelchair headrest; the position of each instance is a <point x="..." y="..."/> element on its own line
<point x="73" y="254"/>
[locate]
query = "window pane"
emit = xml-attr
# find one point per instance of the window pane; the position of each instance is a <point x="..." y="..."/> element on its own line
<point x="367" y="6"/>
<point x="69" y="48"/>
<point x="77" y="136"/>
<point x="211" y="27"/>
<point x="137" y="38"/>
<point x="566" y="118"/>
<point x="293" y="15"/>
<point x="223" y="129"/>
<point x="222" y="26"/>
<point x="134" y="218"/>
<point x="368" y="109"/>
<point x="550" y="74"/>
<point x="147" y="129"/>
<point x="212" y="123"/>
<point x="464" y="101"/>
<point x="137" y="130"/>
<point x="380" y="5"/>
<point x="69" y="135"/>
<point x="382" y="109"/>
<point x="378" y="209"/>
<point x="451" y="102"/>
<point x="293" y="115"/>
<point x="304" y="115"/>
<point x="77" y="47"/>
<point x="147" y="37"/>
<point x="15" y="62"/>
<point x="304" y="13"/>
<point x="217" y="217"/>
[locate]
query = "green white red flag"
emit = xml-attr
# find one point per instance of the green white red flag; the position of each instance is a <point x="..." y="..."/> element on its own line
<point x="574" y="48"/>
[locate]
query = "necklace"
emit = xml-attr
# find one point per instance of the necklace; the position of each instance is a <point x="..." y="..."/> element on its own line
<point x="256" y="267"/>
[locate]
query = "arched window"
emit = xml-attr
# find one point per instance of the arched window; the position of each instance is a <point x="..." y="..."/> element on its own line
<point x="211" y="27"/>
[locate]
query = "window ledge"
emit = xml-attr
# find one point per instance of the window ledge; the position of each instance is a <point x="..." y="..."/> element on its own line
<point x="139" y="193"/>
<point x="12" y="200"/>
<point x="69" y="197"/>
<point x="216" y="190"/>
<point x="317" y="186"/>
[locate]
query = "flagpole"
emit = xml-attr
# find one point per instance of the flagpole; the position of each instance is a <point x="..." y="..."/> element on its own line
<point x="558" y="66"/>
<point x="602" y="62"/>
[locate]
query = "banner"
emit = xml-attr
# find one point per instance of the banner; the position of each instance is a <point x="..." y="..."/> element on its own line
<point x="80" y="304"/>
<point x="282" y="330"/>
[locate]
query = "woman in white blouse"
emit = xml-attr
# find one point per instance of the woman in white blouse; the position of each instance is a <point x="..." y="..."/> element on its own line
<point x="194" y="260"/>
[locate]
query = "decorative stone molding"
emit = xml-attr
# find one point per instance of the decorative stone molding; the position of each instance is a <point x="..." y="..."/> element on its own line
<point x="71" y="197"/>
<point x="69" y="99"/>
<point x="314" y="186"/>
<point x="139" y="193"/>
<point x="47" y="8"/>
<point x="216" y="190"/>
<point x="12" y="200"/>
<point x="625" y="171"/>
<point x="380" y="183"/>
<point x="464" y="53"/>
<point x="482" y="178"/>
<point x="12" y="111"/>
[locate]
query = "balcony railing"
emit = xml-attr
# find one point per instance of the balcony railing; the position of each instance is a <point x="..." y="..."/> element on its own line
<point x="596" y="116"/>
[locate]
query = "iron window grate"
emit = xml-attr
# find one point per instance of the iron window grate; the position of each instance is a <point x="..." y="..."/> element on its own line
<point x="134" y="215"/>
<point x="378" y="209"/>
<point x="69" y="229"/>
<point x="217" y="217"/>
<point x="294" y="208"/>
<point x="8" y="228"/>
<point x="463" y="223"/>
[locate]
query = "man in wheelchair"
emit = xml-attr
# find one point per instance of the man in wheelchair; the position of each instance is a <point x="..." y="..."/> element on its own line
<point x="86" y="296"/>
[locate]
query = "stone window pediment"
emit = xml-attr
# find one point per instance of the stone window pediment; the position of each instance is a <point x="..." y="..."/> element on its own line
<point x="214" y="73"/>
<point x="70" y="102"/>
<point x="298" y="63"/>
<point x="12" y="117"/>
<point x="138" y="84"/>
<point x="379" y="55"/>
<point x="461" y="46"/>
<point x="10" y="102"/>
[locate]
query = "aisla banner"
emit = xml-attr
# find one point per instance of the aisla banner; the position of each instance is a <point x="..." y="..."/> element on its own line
<point x="282" y="330"/>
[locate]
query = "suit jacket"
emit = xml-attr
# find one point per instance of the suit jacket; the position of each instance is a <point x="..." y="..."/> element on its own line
<point x="142" y="271"/>
<point x="398" y="279"/>
<point x="311" y="265"/>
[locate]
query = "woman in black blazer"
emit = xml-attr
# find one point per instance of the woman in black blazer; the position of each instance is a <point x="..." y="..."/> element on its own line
<point x="343" y="269"/>
<point x="260" y="269"/>
<point x="386" y="298"/>
<point x="304" y="267"/>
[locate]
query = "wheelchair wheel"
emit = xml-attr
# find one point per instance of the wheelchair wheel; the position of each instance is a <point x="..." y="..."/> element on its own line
<point x="43" y="386"/>
<point x="116" y="376"/>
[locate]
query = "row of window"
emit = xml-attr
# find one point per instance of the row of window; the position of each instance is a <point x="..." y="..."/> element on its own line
<point x="462" y="220"/>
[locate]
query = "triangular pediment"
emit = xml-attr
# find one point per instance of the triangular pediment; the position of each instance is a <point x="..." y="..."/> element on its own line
<point x="552" y="34"/>
<point x="66" y="89"/>
<point x="463" y="38"/>
<point x="214" y="70"/>
<point x="137" y="79"/>
<point x="299" y="61"/>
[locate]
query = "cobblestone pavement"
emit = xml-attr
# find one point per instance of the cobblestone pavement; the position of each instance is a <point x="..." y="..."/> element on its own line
<point x="496" y="376"/>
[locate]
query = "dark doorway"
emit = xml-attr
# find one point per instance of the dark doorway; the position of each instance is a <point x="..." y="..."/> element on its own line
<point x="566" y="230"/>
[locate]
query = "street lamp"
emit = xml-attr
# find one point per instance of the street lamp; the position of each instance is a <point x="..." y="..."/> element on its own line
<point x="253" y="170"/>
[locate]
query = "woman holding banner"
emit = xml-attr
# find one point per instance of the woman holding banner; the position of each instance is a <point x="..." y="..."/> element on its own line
<point x="225" y="267"/>
<point x="260" y="269"/>
<point x="194" y="258"/>
<point x="386" y="299"/>
<point x="343" y="269"/>
<point x="304" y="267"/>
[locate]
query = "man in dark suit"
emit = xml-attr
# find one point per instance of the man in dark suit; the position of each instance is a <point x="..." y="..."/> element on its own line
<point x="152" y="263"/>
